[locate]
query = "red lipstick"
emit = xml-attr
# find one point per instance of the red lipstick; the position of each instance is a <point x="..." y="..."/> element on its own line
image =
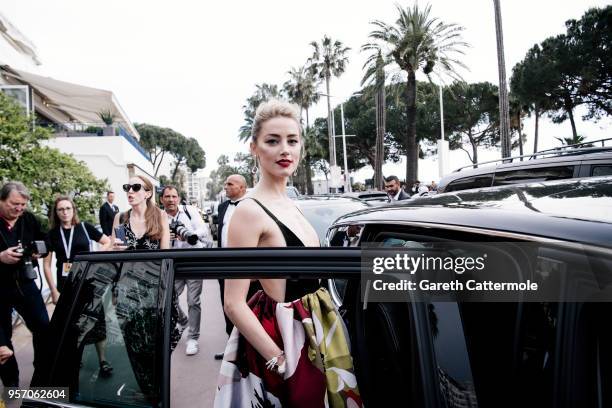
<point x="284" y="163"/>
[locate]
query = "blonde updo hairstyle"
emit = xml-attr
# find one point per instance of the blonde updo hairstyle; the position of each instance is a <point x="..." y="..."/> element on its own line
<point x="271" y="109"/>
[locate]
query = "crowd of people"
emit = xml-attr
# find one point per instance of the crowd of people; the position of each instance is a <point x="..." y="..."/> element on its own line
<point x="274" y="221"/>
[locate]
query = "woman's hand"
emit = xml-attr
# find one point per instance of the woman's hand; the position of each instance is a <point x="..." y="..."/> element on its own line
<point x="5" y="354"/>
<point x="54" y="295"/>
<point x="119" y="245"/>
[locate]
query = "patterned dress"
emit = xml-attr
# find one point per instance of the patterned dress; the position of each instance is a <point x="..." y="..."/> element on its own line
<point x="319" y="367"/>
<point x="145" y="242"/>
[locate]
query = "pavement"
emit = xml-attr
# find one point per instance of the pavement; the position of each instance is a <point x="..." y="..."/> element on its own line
<point x="193" y="378"/>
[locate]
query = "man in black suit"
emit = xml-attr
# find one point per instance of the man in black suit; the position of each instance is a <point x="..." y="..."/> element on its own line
<point x="394" y="190"/>
<point x="235" y="190"/>
<point x="107" y="214"/>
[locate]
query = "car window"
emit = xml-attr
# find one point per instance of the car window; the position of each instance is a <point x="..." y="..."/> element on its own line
<point x="533" y="175"/>
<point x="601" y="171"/>
<point x="535" y="353"/>
<point x="484" y="180"/>
<point x="116" y="337"/>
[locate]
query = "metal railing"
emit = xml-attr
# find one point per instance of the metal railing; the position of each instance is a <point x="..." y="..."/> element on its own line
<point x="569" y="150"/>
<point x="71" y="129"/>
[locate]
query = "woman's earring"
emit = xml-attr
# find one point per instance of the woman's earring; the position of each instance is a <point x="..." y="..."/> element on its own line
<point x="295" y="173"/>
<point x="255" y="168"/>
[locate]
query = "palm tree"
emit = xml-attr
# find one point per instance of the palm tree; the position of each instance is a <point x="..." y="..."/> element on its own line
<point x="375" y="75"/>
<point x="417" y="41"/>
<point x="329" y="58"/>
<point x="504" y="109"/>
<point x="262" y="93"/>
<point x="301" y="88"/>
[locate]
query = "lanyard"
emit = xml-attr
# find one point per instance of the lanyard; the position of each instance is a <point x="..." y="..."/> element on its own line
<point x="68" y="247"/>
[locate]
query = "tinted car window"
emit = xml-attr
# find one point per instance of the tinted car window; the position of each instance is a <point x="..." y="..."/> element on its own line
<point x="532" y="175"/>
<point x="519" y="354"/>
<point x="601" y="171"/>
<point x="116" y="321"/>
<point x="470" y="182"/>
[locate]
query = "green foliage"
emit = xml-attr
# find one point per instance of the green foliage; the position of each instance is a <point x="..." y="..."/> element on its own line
<point x="262" y="93"/>
<point x="107" y="116"/>
<point x="417" y="41"/>
<point x="45" y="171"/>
<point x="158" y="142"/>
<point x="569" y="70"/>
<point x="471" y="116"/>
<point x="243" y="165"/>
<point x="301" y="88"/>
<point x="591" y="39"/>
<point x="328" y="58"/>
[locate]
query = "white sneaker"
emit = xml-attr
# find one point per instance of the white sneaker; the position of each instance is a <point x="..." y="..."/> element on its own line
<point x="192" y="347"/>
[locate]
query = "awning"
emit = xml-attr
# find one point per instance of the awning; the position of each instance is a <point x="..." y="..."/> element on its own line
<point x="17" y="40"/>
<point x="81" y="103"/>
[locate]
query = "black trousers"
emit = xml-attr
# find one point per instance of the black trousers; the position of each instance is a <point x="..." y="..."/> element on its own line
<point x="28" y="302"/>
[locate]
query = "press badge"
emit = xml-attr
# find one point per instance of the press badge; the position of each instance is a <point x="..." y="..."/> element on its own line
<point x="66" y="268"/>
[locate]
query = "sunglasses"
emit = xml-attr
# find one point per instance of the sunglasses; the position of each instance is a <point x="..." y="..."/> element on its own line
<point x="135" y="187"/>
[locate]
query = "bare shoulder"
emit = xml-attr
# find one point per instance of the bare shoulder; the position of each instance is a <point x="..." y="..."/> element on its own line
<point x="247" y="208"/>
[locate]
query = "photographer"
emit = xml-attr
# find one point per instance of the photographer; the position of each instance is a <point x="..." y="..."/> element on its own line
<point x="187" y="230"/>
<point x="19" y="233"/>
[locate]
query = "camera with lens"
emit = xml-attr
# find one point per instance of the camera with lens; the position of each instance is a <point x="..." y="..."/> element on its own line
<point x="187" y="235"/>
<point x="27" y="250"/>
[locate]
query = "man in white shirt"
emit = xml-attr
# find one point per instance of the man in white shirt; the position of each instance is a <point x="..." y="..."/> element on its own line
<point x="190" y="218"/>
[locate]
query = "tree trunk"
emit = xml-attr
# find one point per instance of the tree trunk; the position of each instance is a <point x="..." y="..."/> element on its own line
<point x="179" y="160"/>
<point x="520" y="128"/>
<point x="309" y="185"/>
<point x="330" y="135"/>
<point x="380" y="136"/>
<point x="570" y="113"/>
<point x="159" y="164"/>
<point x="307" y="121"/>
<point x="412" y="152"/>
<point x="504" y="118"/>
<point x="537" y="124"/>
<point x="474" y="149"/>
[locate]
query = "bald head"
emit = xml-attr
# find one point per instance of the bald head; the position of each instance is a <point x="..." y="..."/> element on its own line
<point x="235" y="187"/>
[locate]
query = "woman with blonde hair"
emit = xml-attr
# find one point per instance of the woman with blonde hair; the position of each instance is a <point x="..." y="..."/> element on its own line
<point x="275" y="356"/>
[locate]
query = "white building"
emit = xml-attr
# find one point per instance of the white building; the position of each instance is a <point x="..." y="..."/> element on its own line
<point x="196" y="188"/>
<point x="73" y="112"/>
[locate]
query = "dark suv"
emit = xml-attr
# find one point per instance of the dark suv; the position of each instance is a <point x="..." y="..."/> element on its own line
<point x="415" y="353"/>
<point x="553" y="164"/>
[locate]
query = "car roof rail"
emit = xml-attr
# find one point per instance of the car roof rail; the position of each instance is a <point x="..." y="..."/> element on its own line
<point x="570" y="150"/>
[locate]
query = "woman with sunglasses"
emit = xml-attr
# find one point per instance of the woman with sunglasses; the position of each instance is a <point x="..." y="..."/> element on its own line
<point x="275" y="356"/>
<point x="67" y="237"/>
<point x="145" y="225"/>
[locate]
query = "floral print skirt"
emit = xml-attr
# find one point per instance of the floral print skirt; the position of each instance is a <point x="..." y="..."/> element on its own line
<point x="319" y="370"/>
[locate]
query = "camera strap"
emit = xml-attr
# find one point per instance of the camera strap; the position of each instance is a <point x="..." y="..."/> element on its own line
<point x="67" y="248"/>
<point x="186" y="212"/>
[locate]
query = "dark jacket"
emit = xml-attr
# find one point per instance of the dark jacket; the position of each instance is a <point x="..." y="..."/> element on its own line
<point x="27" y="229"/>
<point x="402" y="196"/>
<point x="107" y="216"/>
<point x="220" y="215"/>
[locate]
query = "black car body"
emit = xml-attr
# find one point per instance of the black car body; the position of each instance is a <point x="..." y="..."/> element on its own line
<point x="554" y="164"/>
<point x="416" y="353"/>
